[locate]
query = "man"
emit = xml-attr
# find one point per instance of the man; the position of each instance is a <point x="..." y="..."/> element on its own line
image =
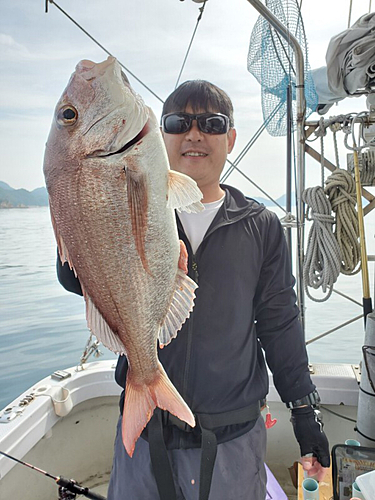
<point x="245" y="303"/>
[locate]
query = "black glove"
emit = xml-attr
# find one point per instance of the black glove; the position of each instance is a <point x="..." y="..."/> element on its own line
<point x="308" y="429"/>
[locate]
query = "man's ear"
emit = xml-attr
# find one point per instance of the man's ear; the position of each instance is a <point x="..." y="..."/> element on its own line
<point x="232" y="134"/>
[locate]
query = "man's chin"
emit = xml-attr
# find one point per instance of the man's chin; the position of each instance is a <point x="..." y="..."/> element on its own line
<point x="191" y="172"/>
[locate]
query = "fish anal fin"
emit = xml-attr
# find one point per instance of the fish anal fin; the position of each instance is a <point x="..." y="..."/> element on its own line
<point x="141" y="401"/>
<point x="100" y="328"/>
<point x="138" y="204"/>
<point x="183" y="193"/>
<point x="181" y="305"/>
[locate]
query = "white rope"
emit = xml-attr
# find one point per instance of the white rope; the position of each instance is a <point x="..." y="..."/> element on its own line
<point x="322" y="262"/>
<point x="335" y="127"/>
<point x="340" y="188"/>
<point x="321" y="131"/>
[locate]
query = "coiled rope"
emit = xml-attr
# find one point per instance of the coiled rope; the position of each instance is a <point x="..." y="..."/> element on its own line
<point x="329" y="253"/>
<point x="322" y="262"/>
<point x="340" y="188"/>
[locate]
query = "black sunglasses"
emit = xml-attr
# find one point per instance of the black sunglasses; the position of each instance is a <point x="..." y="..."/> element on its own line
<point x="209" y="123"/>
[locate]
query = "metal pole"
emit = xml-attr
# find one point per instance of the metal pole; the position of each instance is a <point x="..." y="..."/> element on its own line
<point x="289" y="167"/>
<point x="367" y="303"/>
<point x="301" y="111"/>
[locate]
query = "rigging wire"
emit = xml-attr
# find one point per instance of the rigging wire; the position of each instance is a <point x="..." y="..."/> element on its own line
<point x="346" y="323"/>
<point x="256" y="185"/>
<point x="201" y="9"/>
<point x="250" y="143"/>
<point x="102" y="47"/>
<point x="350" y="12"/>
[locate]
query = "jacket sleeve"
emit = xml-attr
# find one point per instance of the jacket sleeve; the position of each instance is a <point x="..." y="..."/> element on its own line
<point x="67" y="278"/>
<point x="277" y="317"/>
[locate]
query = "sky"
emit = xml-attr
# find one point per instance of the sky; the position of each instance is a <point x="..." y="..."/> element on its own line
<point x="39" y="51"/>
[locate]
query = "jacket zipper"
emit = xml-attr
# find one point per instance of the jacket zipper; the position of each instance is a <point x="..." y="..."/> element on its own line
<point x="190" y="332"/>
<point x="195" y="277"/>
<point x="194" y="267"/>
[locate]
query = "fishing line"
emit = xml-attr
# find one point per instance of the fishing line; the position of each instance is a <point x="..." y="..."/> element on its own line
<point x="102" y="47"/>
<point x="68" y="484"/>
<point x="201" y="9"/>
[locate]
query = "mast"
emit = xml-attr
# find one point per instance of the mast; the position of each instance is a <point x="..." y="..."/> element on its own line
<point x="300" y="175"/>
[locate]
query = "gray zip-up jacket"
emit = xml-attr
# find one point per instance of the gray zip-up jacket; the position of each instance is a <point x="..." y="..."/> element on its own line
<point x="245" y="304"/>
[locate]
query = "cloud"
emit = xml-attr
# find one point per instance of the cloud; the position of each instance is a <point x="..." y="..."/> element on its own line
<point x="11" y="50"/>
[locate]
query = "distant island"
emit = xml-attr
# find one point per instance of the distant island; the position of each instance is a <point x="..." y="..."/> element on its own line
<point x="21" y="198"/>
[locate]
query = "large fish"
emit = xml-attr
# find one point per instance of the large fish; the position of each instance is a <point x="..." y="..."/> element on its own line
<point x="112" y="200"/>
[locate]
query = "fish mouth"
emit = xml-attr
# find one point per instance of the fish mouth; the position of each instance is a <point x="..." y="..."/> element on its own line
<point x="125" y="147"/>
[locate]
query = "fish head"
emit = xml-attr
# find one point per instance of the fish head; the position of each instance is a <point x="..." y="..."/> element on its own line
<point x="97" y="116"/>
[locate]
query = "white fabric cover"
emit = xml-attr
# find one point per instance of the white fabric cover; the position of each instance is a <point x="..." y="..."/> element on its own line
<point x="351" y="57"/>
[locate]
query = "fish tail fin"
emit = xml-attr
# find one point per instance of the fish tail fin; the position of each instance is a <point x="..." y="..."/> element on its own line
<point x="141" y="401"/>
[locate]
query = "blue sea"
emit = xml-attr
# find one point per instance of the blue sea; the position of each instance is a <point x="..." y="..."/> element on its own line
<point x="43" y="327"/>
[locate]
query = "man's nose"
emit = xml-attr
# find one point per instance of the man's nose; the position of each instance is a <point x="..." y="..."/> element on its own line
<point x="194" y="134"/>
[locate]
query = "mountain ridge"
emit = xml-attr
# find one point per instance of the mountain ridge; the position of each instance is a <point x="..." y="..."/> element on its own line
<point x="22" y="198"/>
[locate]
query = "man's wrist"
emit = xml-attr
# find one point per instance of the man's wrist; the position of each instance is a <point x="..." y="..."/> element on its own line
<point x="311" y="399"/>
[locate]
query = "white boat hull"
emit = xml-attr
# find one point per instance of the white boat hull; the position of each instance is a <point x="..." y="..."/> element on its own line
<point x="80" y="444"/>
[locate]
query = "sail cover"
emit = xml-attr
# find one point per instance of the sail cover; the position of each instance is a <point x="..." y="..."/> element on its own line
<point x="351" y="57"/>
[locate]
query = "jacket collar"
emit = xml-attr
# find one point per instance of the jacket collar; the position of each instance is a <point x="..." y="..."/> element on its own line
<point x="236" y="206"/>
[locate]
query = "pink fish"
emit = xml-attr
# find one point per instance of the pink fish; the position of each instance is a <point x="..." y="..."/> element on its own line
<point x="112" y="200"/>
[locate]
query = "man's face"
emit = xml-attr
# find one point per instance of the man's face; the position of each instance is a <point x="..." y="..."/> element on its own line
<point x="200" y="156"/>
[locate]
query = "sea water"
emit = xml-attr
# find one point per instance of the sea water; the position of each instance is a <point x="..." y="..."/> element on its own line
<point x="43" y="327"/>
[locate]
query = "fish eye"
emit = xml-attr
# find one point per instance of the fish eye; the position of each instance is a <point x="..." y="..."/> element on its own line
<point x="67" y="115"/>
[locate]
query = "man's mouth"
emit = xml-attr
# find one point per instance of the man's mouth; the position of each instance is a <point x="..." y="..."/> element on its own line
<point x="194" y="154"/>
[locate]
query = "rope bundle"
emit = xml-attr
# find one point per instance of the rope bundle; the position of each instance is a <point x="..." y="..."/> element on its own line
<point x="329" y="253"/>
<point x="340" y="188"/>
<point x="322" y="262"/>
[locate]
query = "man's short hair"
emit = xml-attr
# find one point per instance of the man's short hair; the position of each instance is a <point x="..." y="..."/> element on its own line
<point x="200" y="95"/>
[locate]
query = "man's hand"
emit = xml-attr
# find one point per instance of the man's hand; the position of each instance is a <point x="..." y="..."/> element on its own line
<point x="313" y="468"/>
<point x="308" y="429"/>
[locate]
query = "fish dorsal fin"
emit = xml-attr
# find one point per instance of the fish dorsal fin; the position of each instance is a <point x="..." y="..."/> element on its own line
<point x="138" y="204"/>
<point x="100" y="328"/>
<point x="63" y="251"/>
<point x="182" y="304"/>
<point x="183" y="194"/>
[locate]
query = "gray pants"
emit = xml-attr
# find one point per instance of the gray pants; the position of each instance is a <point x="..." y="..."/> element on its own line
<point x="239" y="472"/>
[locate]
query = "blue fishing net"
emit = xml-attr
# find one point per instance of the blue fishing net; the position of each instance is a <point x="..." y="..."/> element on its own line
<point x="271" y="60"/>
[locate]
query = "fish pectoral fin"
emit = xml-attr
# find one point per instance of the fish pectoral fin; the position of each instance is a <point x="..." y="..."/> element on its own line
<point x="183" y="193"/>
<point x="182" y="304"/>
<point x="183" y="258"/>
<point x="100" y="328"/>
<point x="136" y="184"/>
<point x="141" y="401"/>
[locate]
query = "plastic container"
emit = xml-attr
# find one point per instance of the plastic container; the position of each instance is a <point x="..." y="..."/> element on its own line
<point x="366" y="482"/>
<point x="356" y="491"/>
<point x="310" y="489"/>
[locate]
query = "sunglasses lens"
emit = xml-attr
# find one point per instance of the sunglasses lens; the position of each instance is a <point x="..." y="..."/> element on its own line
<point x="209" y="123"/>
<point x="213" y="124"/>
<point x="176" y="123"/>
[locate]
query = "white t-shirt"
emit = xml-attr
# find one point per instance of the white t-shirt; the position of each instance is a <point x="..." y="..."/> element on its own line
<point x="196" y="225"/>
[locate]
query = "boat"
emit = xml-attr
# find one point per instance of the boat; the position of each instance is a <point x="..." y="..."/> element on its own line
<point x="65" y="423"/>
